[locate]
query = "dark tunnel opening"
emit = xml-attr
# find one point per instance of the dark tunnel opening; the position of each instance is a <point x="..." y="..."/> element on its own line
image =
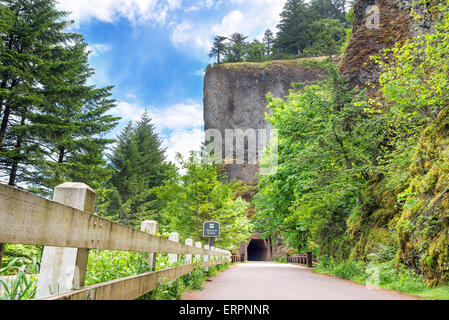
<point x="257" y="250"/>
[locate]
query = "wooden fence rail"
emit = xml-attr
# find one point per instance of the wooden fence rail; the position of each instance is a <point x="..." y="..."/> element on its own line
<point x="68" y="228"/>
<point x="305" y="259"/>
<point x="237" y="257"/>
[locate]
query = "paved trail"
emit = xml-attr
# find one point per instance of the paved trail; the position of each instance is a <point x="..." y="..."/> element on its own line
<point x="277" y="281"/>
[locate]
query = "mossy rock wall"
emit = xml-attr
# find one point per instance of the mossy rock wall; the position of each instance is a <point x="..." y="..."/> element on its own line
<point x="424" y="223"/>
<point x="396" y="26"/>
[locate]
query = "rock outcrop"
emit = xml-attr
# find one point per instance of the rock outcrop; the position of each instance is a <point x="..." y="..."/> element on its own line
<point x="235" y="97"/>
<point x="370" y="39"/>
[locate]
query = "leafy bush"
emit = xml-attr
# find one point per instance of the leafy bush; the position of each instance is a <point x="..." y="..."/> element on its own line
<point x="22" y="281"/>
<point x="383" y="275"/>
<point x="350" y="270"/>
<point x="105" y="265"/>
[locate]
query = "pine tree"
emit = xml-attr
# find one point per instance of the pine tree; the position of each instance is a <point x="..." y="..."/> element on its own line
<point x="268" y="40"/>
<point x="237" y="47"/>
<point x="256" y="51"/>
<point x="138" y="164"/>
<point x="297" y="29"/>
<point x="293" y="35"/>
<point x="329" y="9"/>
<point x="218" y="49"/>
<point x="52" y="122"/>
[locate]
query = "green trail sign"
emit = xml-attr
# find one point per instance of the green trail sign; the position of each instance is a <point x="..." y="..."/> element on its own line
<point x="211" y="229"/>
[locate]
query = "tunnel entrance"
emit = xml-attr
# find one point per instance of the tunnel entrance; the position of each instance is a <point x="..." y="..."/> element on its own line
<point x="258" y="250"/>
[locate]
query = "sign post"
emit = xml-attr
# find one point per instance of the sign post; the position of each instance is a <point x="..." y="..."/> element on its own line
<point x="211" y="230"/>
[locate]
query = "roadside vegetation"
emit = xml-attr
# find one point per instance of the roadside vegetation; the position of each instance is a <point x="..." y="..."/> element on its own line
<point x="385" y="275"/>
<point x="363" y="175"/>
<point x="18" y="279"/>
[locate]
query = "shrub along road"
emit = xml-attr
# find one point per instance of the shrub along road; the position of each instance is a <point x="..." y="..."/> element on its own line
<point x="277" y="281"/>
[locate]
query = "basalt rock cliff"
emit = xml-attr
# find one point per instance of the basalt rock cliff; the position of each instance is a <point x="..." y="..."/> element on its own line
<point x="235" y="97"/>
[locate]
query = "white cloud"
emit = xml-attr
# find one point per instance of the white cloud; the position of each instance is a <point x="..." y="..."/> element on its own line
<point x="128" y="111"/>
<point x="204" y="4"/>
<point x="136" y="11"/>
<point x="183" y="142"/>
<point x="178" y="117"/>
<point x="179" y="125"/>
<point x="199" y="73"/>
<point x="99" y="48"/>
<point x="250" y="17"/>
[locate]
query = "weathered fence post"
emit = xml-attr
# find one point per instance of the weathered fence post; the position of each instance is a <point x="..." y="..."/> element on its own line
<point x="212" y="257"/>
<point x="198" y="256"/>
<point x="189" y="242"/>
<point x="173" y="258"/>
<point x="309" y="260"/>
<point x="64" y="269"/>
<point x="206" y="257"/>
<point x="151" y="227"/>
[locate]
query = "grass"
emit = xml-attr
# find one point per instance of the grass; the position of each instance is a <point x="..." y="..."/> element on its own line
<point x="189" y="282"/>
<point x="18" y="277"/>
<point x="384" y="275"/>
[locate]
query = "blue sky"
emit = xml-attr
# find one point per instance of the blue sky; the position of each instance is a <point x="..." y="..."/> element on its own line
<point x="154" y="53"/>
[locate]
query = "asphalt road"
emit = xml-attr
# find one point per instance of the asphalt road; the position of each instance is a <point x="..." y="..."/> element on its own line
<point x="278" y="281"/>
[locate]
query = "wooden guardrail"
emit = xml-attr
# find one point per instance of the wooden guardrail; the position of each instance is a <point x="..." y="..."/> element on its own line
<point x="237" y="257"/>
<point x="68" y="228"/>
<point x="305" y="259"/>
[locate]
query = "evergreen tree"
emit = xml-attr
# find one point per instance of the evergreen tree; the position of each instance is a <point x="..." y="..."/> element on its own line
<point x="293" y="35"/>
<point x="138" y="164"/>
<point x="52" y="122"/>
<point x="330" y="34"/>
<point x="237" y="47"/>
<point x="298" y="28"/>
<point x="268" y="40"/>
<point x="329" y="9"/>
<point x="256" y="51"/>
<point x="218" y="49"/>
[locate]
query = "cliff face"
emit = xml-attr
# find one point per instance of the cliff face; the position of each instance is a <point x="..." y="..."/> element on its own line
<point x="395" y="27"/>
<point x="418" y="227"/>
<point x="235" y="97"/>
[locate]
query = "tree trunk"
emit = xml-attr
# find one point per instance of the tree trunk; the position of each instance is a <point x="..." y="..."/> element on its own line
<point x="61" y="155"/>
<point x="4" y="124"/>
<point x="15" y="164"/>
<point x="6" y="116"/>
<point x="3" y="86"/>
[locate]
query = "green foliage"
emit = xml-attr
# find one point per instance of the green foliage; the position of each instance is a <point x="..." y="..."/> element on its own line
<point x="21" y="280"/>
<point x="169" y="291"/>
<point x="218" y="49"/>
<point x="384" y="275"/>
<point x="256" y="51"/>
<point x="367" y="178"/>
<point x="137" y="163"/>
<point x="200" y="195"/>
<point x="236" y="49"/>
<point x="104" y="265"/>
<point x="300" y="27"/>
<point x="329" y="37"/>
<point x="23" y="252"/>
<point x="52" y="122"/>
<point x="327" y="152"/>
